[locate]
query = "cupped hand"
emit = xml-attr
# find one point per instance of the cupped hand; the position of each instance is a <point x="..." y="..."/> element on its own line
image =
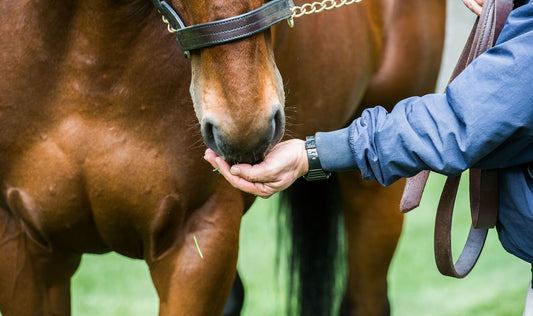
<point x="281" y="167"/>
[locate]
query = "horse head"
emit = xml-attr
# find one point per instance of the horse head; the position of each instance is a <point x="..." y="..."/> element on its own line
<point x="236" y="88"/>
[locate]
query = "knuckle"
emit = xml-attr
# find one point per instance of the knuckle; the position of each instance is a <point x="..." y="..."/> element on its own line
<point x="265" y="192"/>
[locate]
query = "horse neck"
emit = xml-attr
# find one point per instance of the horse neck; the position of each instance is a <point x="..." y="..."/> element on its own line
<point x="87" y="44"/>
<point x="99" y="28"/>
<point x="110" y="26"/>
<point x="44" y="24"/>
<point x="93" y="58"/>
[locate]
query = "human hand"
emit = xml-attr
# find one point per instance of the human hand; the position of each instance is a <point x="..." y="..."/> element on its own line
<point x="474" y="5"/>
<point x="281" y="167"/>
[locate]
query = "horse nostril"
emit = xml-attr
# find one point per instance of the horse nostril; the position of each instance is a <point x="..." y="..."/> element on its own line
<point x="279" y="125"/>
<point x="208" y="135"/>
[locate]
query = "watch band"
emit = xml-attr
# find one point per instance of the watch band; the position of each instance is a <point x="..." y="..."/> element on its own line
<point x="315" y="167"/>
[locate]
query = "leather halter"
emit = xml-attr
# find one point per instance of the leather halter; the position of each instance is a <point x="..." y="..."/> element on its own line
<point x="225" y="30"/>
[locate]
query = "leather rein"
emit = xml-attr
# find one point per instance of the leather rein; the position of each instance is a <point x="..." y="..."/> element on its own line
<point x="483" y="183"/>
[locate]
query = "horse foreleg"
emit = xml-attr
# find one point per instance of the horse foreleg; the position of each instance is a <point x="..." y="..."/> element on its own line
<point x="373" y="226"/>
<point x="34" y="280"/>
<point x="188" y="284"/>
<point x="195" y="276"/>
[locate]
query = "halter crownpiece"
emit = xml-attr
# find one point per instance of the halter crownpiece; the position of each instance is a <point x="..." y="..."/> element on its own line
<point x="225" y="30"/>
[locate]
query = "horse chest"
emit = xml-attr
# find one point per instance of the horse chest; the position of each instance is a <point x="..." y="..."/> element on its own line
<point x="93" y="188"/>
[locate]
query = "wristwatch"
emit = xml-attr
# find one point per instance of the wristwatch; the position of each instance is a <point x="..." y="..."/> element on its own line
<point x="315" y="168"/>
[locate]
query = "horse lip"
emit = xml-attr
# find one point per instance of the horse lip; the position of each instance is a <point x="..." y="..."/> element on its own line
<point x="244" y="158"/>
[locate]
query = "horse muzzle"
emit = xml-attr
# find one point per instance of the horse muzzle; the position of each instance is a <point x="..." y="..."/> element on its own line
<point x="246" y="141"/>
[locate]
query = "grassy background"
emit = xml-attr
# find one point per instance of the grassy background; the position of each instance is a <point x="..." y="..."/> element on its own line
<point x="114" y="285"/>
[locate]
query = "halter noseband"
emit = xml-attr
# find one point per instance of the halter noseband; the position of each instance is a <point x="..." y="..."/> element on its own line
<point x="225" y="30"/>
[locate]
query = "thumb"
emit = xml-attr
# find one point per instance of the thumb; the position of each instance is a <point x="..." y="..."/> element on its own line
<point x="235" y="170"/>
<point x="251" y="173"/>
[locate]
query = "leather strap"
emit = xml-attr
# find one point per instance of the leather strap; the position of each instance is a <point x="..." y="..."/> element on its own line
<point x="225" y="30"/>
<point x="483" y="183"/>
<point x="442" y="242"/>
<point x="169" y="14"/>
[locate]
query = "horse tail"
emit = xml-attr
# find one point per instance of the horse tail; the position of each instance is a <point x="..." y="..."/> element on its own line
<point x="313" y="235"/>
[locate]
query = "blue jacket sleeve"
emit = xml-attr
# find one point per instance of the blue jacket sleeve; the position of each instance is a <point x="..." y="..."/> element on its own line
<point x="484" y="120"/>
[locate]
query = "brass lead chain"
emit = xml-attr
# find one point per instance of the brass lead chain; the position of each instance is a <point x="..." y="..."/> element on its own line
<point x="169" y="26"/>
<point x="316" y="7"/>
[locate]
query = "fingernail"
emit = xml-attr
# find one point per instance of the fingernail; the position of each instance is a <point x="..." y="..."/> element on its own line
<point x="235" y="171"/>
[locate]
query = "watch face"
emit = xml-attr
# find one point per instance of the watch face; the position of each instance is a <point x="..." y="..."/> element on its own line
<point x="310" y="142"/>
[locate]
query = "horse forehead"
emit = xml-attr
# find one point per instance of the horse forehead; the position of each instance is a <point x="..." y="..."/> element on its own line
<point x="203" y="11"/>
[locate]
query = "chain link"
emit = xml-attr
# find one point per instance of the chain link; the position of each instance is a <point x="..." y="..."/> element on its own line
<point x="316" y="7"/>
<point x="170" y="28"/>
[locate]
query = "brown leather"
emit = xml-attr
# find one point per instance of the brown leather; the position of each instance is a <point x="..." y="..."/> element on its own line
<point x="483" y="183"/>
<point x="230" y="29"/>
<point x="442" y="242"/>
<point x="484" y="196"/>
<point x="225" y="30"/>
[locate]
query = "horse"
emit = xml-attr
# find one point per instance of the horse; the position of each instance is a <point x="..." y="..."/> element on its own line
<point x="103" y="121"/>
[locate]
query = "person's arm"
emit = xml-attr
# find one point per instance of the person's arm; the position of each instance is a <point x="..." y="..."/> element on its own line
<point x="484" y="120"/>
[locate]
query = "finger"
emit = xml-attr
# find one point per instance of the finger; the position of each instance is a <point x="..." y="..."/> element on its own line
<point x="255" y="173"/>
<point x="235" y="180"/>
<point x="211" y="156"/>
<point x="259" y="189"/>
<point x="474" y="6"/>
<point x="264" y="186"/>
<point x="221" y="164"/>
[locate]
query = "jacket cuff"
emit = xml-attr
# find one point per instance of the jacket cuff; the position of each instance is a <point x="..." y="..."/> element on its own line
<point x="334" y="150"/>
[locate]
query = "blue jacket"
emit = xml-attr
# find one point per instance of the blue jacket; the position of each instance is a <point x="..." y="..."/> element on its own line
<point x="484" y="120"/>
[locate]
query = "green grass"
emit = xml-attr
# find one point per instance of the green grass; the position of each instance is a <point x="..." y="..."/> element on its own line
<point x="114" y="285"/>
